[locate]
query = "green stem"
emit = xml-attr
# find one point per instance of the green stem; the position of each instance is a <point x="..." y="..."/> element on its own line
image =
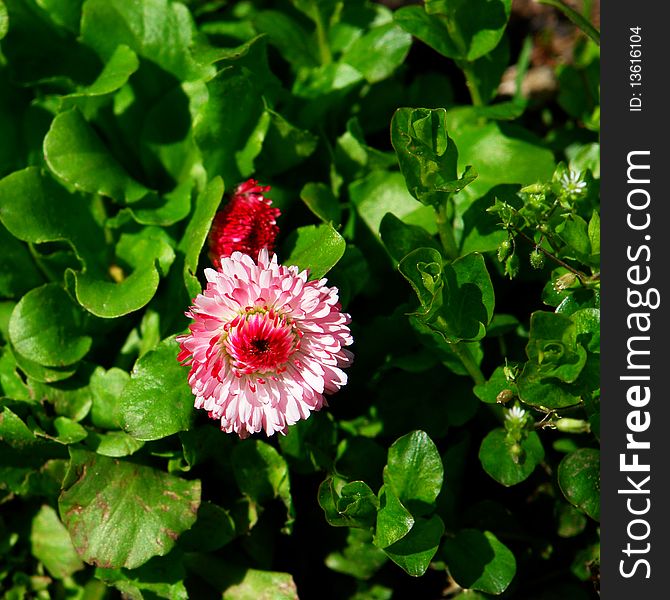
<point x="575" y="17"/>
<point x="471" y="82"/>
<point x="464" y="354"/>
<point x="322" y="39"/>
<point x="446" y="232"/>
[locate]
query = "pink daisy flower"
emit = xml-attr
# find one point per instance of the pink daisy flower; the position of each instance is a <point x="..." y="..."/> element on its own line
<point x="246" y="224"/>
<point x="265" y="344"/>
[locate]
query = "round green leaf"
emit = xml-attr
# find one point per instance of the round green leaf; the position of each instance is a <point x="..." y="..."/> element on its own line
<point x="317" y="248"/>
<point x="498" y="461"/>
<point x="394" y="521"/>
<point x="109" y="300"/>
<point x="51" y="544"/>
<point x="261" y="585"/>
<point x="511" y="155"/>
<point x="121" y="514"/>
<point x="400" y="239"/>
<point x="113" y="443"/>
<point x="76" y="154"/>
<point x="379" y="51"/>
<point x="46" y="327"/>
<point x="158" y="30"/>
<point x="579" y="479"/>
<point x="320" y="200"/>
<point x="415" y="551"/>
<point x="157" y="401"/>
<point x="477" y="560"/>
<point x="34" y="208"/>
<point x="414" y="471"/>
<point x="122" y="64"/>
<point x="213" y="529"/>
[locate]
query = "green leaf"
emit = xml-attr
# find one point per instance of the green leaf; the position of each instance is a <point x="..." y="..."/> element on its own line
<point x="148" y="252"/>
<point x="587" y="324"/>
<point x="41" y="373"/>
<point x="158" y="30"/>
<point x="47" y="327"/>
<point x="121" y="514"/>
<point x="288" y="36"/>
<point x="4" y="21"/>
<point x="76" y="154"/>
<point x="262" y="474"/>
<point x="382" y="192"/>
<point x="428" y="28"/>
<point x="261" y="585"/>
<point x="500" y="153"/>
<point x="400" y="239"/>
<point x="594" y="233"/>
<point x="460" y="30"/>
<point x="122" y="64"/>
<point x="213" y="529"/>
<point x="157" y="401"/>
<point x="500" y="463"/>
<point x="284" y="146"/>
<point x="571" y="521"/>
<point x="68" y="431"/>
<point x="414" y="471"/>
<point x="66" y="13"/>
<point x="51" y="544"/>
<point x="168" y="210"/>
<point x="488" y="392"/>
<point x="14" y="431"/>
<point x="196" y="232"/>
<point x="109" y="300"/>
<point x="317" y="248"/>
<point x="71" y="398"/>
<point x="351" y="504"/>
<point x="545" y="392"/>
<point x="394" y="521"/>
<point x="55" y="215"/>
<point x="379" y="51"/>
<point x="232" y="111"/>
<point x="415" y="551"/>
<point x="11" y="384"/>
<point x="113" y="443"/>
<point x="486" y="73"/>
<point x="359" y="558"/>
<point x="161" y="577"/>
<point x="456" y="300"/>
<point x="106" y="390"/>
<point x="477" y="560"/>
<point x="579" y="479"/>
<point x="427" y="155"/>
<point x="321" y="201"/>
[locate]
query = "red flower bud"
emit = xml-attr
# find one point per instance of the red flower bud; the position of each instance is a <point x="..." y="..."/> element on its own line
<point x="246" y="224"/>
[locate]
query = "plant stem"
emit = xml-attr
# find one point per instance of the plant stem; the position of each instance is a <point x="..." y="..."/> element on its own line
<point x="464" y="354"/>
<point x="446" y="232"/>
<point x="583" y="277"/>
<point x="471" y="82"/>
<point x="575" y="17"/>
<point x="322" y="38"/>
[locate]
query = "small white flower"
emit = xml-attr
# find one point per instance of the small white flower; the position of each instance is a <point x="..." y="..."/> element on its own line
<point x="516" y="413"/>
<point x="572" y="183"/>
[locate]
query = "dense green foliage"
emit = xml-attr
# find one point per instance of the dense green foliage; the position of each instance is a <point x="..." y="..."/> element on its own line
<point x="461" y="227"/>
